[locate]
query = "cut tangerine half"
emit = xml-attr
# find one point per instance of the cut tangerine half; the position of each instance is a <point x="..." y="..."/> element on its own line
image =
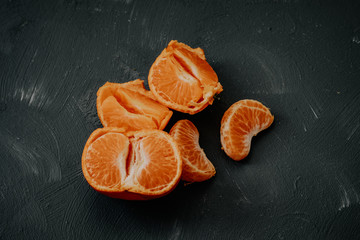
<point x="130" y="106"/>
<point x="137" y="165"/>
<point x="196" y="166"/>
<point x="243" y="120"/>
<point x="181" y="79"/>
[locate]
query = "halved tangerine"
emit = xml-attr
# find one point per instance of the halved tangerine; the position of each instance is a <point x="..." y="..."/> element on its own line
<point x="181" y="79"/>
<point x="130" y="106"/>
<point x="196" y="166"/>
<point x="136" y="165"/>
<point x="243" y="120"/>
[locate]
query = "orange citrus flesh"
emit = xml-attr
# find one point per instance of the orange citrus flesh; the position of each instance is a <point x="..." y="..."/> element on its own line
<point x="196" y="166"/>
<point x="136" y="165"/>
<point x="243" y="120"/>
<point x="130" y="106"/>
<point x="181" y="79"/>
<point x="135" y="85"/>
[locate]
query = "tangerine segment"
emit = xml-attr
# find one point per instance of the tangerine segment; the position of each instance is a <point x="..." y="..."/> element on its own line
<point x="136" y="166"/>
<point x="155" y="163"/>
<point x="196" y="166"/>
<point x="104" y="159"/>
<point x="243" y="120"/>
<point x="181" y="79"/>
<point x="130" y="106"/>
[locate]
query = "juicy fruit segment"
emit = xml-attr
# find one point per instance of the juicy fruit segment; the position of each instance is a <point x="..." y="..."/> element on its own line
<point x="136" y="166"/>
<point x="196" y="166"/>
<point x="135" y="85"/>
<point x="243" y="120"/>
<point x="181" y="79"/>
<point x="130" y="106"/>
<point x="100" y="167"/>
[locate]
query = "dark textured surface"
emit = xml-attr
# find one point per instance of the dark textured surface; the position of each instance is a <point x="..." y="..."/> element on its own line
<point x="301" y="59"/>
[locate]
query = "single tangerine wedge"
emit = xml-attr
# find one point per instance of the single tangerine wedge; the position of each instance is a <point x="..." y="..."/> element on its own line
<point x="130" y="106"/>
<point x="181" y="79"/>
<point x="243" y="120"/>
<point x="138" y="165"/>
<point x="196" y="166"/>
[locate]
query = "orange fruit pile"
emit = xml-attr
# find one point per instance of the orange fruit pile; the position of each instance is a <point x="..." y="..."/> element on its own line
<point x="133" y="158"/>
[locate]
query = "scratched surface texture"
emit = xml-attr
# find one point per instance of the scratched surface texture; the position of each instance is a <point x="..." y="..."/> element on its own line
<point x="301" y="59"/>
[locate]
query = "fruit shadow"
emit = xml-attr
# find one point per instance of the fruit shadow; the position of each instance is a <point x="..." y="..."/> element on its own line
<point x="176" y="203"/>
<point x="146" y="217"/>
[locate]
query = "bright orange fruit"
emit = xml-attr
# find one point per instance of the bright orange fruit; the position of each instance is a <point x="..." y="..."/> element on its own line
<point x="135" y="85"/>
<point x="243" y="120"/>
<point x="196" y="166"/>
<point x="130" y="106"/>
<point x="181" y="79"/>
<point x="136" y="165"/>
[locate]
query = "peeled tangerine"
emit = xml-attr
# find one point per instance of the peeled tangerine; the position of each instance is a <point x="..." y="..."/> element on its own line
<point x="243" y="120"/>
<point x="137" y="165"/>
<point x="196" y="166"/>
<point x="131" y="107"/>
<point x="181" y="79"/>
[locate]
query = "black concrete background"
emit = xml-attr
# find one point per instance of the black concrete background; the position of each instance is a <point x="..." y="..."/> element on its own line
<point x="300" y="58"/>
